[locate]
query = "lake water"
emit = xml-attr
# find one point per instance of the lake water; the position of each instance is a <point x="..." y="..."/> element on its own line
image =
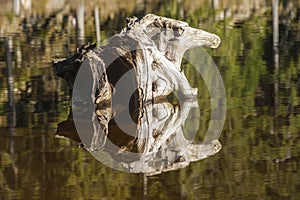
<point x="260" y="154"/>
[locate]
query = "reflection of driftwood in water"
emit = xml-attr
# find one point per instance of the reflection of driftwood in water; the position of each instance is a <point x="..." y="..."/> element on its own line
<point x="149" y="52"/>
<point x="167" y="150"/>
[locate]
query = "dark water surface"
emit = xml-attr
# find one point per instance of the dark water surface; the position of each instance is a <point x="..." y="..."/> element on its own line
<point x="260" y="155"/>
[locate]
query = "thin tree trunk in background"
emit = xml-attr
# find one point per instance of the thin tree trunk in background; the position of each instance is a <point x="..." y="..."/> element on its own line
<point x="80" y="24"/>
<point x="181" y="8"/>
<point x="275" y="34"/>
<point x="97" y="23"/>
<point x="26" y="4"/>
<point x="216" y="4"/>
<point x="140" y="8"/>
<point x="17" y="7"/>
<point x="275" y="23"/>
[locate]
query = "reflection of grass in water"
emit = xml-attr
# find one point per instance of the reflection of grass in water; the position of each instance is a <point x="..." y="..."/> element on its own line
<point x="172" y="99"/>
<point x="106" y="159"/>
<point x="204" y="104"/>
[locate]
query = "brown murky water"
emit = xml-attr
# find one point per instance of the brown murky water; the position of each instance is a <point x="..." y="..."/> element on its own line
<point x="260" y="155"/>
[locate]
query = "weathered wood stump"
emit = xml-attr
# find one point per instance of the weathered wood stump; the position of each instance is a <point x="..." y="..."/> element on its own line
<point x="150" y="50"/>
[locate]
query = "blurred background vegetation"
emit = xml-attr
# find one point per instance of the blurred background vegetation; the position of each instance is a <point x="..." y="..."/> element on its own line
<point x="260" y="158"/>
